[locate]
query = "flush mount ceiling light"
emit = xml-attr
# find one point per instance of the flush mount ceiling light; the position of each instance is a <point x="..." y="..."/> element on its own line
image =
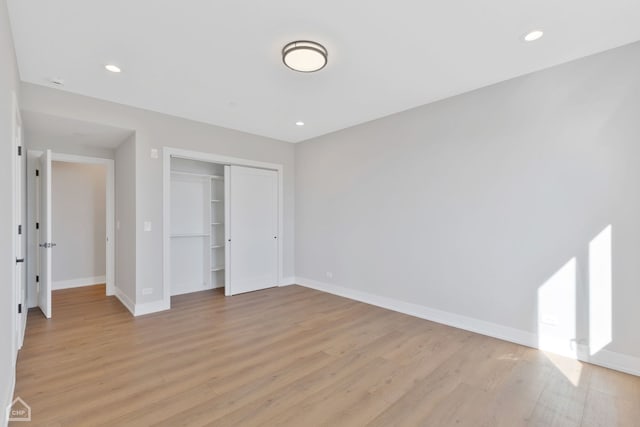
<point x="304" y="56"/>
<point x="533" y="35"/>
<point x="112" y="68"/>
<point x="299" y="123"/>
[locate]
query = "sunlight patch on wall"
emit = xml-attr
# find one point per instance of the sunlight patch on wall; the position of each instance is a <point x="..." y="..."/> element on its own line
<point x="600" y="291"/>
<point x="557" y="312"/>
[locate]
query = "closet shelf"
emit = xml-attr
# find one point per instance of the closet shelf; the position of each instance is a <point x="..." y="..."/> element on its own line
<point x="217" y="201"/>
<point x="202" y="175"/>
<point x="217" y="246"/>
<point x="190" y="235"/>
<point x="219" y="268"/>
<point x="217" y="223"/>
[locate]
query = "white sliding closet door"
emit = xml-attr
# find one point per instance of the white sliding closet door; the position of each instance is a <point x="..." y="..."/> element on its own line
<point x="251" y="200"/>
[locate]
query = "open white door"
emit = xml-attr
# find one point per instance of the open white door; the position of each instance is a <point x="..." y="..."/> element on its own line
<point x="251" y="201"/>
<point x="44" y="235"/>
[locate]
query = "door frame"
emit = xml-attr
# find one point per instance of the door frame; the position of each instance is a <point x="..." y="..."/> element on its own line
<point x="110" y="213"/>
<point x="18" y="240"/>
<point x="167" y="154"/>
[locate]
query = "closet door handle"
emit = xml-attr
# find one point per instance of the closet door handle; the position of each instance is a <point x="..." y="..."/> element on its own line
<point x="19" y="260"/>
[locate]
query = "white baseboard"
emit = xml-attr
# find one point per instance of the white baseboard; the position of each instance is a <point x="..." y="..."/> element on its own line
<point x="126" y="301"/>
<point x="78" y="283"/>
<point x="287" y="281"/>
<point x="140" y="309"/>
<point x="150" y="307"/>
<point x="8" y="398"/>
<point x="616" y="361"/>
<point x="608" y="359"/>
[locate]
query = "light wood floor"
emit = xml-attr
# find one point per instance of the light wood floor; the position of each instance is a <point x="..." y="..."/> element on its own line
<point x="296" y="357"/>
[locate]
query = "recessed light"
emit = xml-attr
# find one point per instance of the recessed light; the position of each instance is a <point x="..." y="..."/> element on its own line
<point x="304" y="56"/>
<point x="299" y="123"/>
<point x="533" y="35"/>
<point x="112" y="68"/>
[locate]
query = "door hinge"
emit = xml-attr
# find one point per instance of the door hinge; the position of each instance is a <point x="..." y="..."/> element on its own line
<point x="19" y="150"/>
<point x="20" y="229"/>
<point x="19" y="308"/>
<point x="37" y="172"/>
<point x="37" y="226"/>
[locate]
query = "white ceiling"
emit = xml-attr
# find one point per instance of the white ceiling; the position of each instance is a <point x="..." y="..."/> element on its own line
<point x="73" y="131"/>
<point x="219" y="61"/>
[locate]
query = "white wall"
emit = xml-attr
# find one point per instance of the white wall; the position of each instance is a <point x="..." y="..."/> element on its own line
<point x="155" y="130"/>
<point x="79" y="224"/>
<point x="41" y="142"/>
<point x="196" y="166"/>
<point x="125" y="173"/>
<point x="8" y="85"/>
<point x="470" y="205"/>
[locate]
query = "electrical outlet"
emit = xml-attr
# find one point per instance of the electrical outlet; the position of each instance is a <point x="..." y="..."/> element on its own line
<point x="147" y="291"/>
<point x="147" y="226"/>
<point x="329" y="275"/>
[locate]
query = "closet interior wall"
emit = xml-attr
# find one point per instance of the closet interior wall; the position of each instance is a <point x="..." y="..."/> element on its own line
<point x="197" y="226"/>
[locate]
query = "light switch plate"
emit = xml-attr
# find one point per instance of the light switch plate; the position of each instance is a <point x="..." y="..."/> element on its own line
<point x="147" y="226"/>
<point x="154" y="153"/>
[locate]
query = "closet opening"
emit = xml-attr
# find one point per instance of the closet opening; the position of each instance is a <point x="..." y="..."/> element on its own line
<point x="197" y="232"/>
<point x="222" y="224"/>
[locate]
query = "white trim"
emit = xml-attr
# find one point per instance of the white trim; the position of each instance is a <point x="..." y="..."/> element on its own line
<point x="33" y="163"/>
<point x="78" y="283"/>
<point x="125" y="300"/>
<point x="167" y="153"/>
<point x="608" y="359"/>
<point x="110" y="209"/>
<point x="15" y="221"/>
<point x="8" y="403"/>
<point x="446" y="318"/>
<point x="140" y="309"/>
<point x="150" y="307"/>
<point x="227" y="227"/>
<point x="616" y="361"/>
<point x="288" y="281"/>
<point x="16" y="335"/>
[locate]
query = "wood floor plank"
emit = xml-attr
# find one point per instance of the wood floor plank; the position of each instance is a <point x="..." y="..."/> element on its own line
<point x="296" y="357"/>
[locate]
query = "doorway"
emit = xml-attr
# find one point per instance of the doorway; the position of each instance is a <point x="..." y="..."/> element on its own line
<point x="71" y="219"/>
